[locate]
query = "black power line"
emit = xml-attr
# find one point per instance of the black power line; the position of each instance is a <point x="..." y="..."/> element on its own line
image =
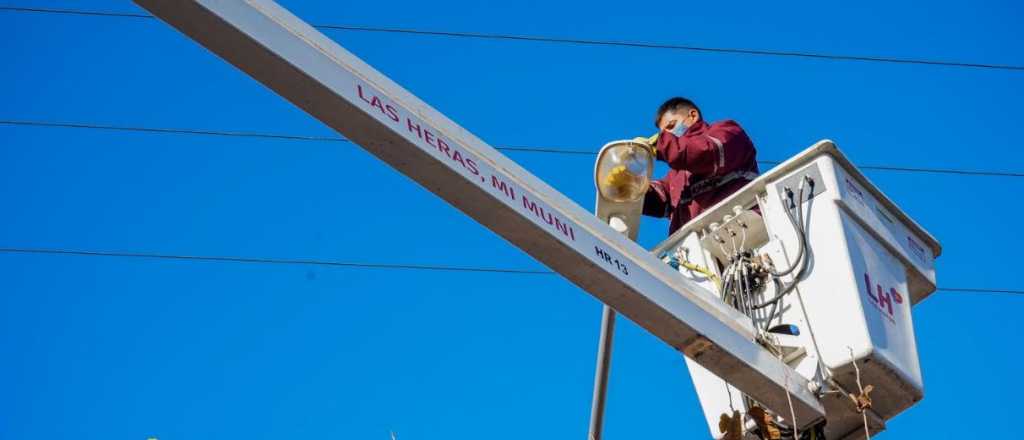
<point x="84" y="12"/>
<point x="352" y="265"/>
<point x="576" y="41"/>
<point x="224" y="133"/>
<point x="975" y="290"/>
<point x="280" y="261"/>
<point x="526" y="149"/>
<point x="242" y="134"/>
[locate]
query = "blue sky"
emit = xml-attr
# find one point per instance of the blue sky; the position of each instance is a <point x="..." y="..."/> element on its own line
<point x="104" y="348"/>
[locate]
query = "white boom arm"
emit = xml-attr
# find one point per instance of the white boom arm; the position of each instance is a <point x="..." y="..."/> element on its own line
<point x="319" y="76"/>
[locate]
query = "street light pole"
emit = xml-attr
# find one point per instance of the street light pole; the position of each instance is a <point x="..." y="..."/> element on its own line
<point x="622" y="173"/>
<point x="604" y="360"/>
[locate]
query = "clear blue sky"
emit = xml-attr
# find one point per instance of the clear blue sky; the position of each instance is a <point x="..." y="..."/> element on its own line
<point x="105" y="348"/>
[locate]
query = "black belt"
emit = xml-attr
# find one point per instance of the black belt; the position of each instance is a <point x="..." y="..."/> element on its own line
<point x="711" y="184"/>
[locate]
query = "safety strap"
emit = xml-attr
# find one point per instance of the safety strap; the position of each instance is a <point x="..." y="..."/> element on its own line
<point x="707" y="185"/>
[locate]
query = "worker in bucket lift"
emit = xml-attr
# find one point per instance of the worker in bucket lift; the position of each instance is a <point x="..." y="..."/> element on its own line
<point x="708" y="162"/>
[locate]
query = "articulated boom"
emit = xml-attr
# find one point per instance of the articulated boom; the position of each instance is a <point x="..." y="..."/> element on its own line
<point x="724" y="342"/>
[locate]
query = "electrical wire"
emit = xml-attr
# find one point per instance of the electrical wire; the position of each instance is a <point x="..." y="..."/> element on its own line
<point x="979" y="290"/>
<point x="801" y="237"/>
<point x="352" y="265"/>
<point x="514" y="148"/>
<point x="281" y="261"/>
<point x="804" y="252"/>
<point x="573" y="41"/>
<point x="247" y="134"/>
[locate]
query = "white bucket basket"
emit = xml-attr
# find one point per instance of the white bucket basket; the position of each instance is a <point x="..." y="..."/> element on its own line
<point x="867" y="264"/>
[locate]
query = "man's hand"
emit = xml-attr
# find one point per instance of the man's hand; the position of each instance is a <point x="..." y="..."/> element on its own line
<point x="650" y="142"/>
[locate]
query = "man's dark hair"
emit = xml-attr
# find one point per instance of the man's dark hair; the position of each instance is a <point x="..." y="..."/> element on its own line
<point x="673" y="105"/>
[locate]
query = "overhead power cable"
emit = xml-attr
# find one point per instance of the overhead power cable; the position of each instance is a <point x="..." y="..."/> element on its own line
<point x="572" y="41"/>
<point x="280" y="261"/>
<point x="242" y="134"/>
<point x="526" y="149"/>
<point x="351" y="264"/>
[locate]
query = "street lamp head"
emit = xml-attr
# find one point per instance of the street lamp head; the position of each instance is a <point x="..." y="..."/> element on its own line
<point x="623" y="171"/>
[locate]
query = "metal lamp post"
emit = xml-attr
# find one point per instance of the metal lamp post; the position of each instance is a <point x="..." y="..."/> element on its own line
<point x="622" y="174"/>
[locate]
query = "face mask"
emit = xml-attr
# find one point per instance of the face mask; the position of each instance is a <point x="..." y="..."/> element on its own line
<point x="679" y="129"/>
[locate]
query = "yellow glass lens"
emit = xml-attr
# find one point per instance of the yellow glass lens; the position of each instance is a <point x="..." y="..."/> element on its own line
<point x="622" y="172"/>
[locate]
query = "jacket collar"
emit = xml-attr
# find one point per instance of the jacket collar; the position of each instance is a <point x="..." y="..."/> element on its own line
<point x="697" y="128"/>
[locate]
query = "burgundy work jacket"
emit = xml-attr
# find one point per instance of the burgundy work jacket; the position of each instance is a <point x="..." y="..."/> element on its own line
<point x="707" y="163"/>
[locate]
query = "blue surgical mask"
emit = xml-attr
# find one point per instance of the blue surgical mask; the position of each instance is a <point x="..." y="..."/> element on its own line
<point x="679" y="129"/>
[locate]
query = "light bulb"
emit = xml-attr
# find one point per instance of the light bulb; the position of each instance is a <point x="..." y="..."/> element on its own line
<point x="623" y="172"/>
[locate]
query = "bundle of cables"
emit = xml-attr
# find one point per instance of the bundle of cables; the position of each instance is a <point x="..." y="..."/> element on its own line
<point x="744" y="282"/>
<point x="747" y="274"/>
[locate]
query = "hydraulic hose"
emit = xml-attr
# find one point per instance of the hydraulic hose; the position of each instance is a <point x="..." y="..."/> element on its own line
<point x="800" y="262"/>
<point x="796" y="226"/>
